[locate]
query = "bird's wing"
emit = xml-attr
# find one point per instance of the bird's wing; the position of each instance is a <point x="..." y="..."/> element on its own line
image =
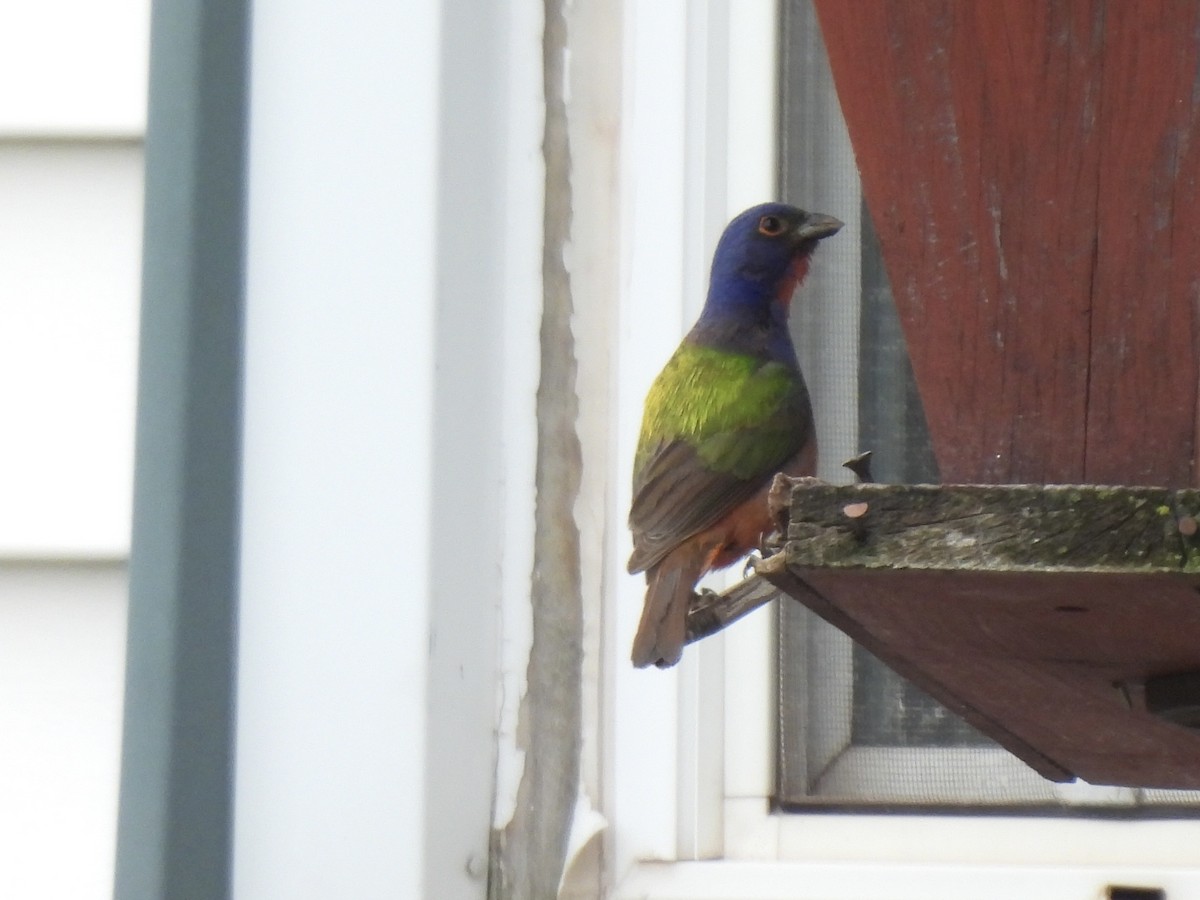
<point x="713" y="433"/>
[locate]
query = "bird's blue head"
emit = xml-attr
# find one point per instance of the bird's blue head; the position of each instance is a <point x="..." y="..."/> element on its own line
<point x="762" y="257"/>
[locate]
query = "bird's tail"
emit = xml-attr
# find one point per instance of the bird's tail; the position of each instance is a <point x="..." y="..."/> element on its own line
<point x="670" y="585"/>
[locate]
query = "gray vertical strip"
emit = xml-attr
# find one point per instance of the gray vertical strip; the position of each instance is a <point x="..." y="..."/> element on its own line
<point x="528" y="858"/>
<point x="175" y="820"/>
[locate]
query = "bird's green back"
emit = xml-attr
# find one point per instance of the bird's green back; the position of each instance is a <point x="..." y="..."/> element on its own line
<point x="741" y="414"/>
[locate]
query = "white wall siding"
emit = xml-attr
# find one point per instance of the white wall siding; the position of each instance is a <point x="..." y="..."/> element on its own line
<point x="62" y="658"/>
<point x="71" y="117"/>
<point x="74" y="67"/>
<point x="70" y="247"/>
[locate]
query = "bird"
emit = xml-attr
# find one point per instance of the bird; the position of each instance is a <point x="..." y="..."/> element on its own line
<point x="728" y="411"/>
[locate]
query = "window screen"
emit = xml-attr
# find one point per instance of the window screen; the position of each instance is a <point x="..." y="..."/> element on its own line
<point x="851" y="732"/>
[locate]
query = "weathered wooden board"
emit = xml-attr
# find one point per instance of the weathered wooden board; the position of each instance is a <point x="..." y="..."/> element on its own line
<point x="1032" y="168"/>
<point x="1036" y="613"/>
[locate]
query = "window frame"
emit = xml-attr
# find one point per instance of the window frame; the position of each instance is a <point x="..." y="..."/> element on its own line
<point x="690" y="816"/>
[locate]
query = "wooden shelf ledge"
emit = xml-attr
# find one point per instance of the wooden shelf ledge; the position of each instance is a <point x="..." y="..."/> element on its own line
<point x="1063" y="621"/>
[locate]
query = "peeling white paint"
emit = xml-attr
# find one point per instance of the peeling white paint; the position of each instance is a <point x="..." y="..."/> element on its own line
<point x="522" y="289"/>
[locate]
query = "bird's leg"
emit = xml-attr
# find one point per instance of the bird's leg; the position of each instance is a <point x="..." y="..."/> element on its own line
<point x="768" y="545"/>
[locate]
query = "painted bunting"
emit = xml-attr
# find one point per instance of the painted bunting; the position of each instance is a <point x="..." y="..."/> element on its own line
<point x="728" y="411"/>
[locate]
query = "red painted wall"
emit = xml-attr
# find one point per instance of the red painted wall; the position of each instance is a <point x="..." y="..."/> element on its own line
<point x="1032" y="170"/>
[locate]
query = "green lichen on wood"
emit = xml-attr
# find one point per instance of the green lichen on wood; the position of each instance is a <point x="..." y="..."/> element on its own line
<point x="1091" y="528"/>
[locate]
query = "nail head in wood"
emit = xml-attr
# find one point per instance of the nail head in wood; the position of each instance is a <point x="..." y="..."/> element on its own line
<point x="861" y="466"/>
<point x="855" y="510"/>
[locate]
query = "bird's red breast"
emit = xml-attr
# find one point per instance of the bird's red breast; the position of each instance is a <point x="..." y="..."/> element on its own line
<point x="796" y="273"/>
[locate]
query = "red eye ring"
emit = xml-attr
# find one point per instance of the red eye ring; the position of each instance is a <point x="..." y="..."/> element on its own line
<point x="771" y="226"/>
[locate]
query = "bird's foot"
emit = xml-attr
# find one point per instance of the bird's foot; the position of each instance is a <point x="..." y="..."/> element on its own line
<point x="703" y="598"/>
<point x="702" y="619"/>
<point x="771" y="543"/>
<point x="754" y="560"/>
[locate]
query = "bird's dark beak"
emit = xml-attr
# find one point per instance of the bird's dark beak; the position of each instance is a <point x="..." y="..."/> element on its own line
<point x="817" y="226"/>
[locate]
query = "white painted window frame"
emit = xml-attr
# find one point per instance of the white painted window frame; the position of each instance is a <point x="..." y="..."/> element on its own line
<point x="689" y="814"/>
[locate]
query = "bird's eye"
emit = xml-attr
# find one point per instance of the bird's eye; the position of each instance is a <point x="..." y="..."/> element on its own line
<point x="771" y="226"/>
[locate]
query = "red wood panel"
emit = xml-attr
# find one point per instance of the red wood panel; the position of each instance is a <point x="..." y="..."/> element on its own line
<point x="1031" y="172"/>
<point x="1144" y="367"/>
